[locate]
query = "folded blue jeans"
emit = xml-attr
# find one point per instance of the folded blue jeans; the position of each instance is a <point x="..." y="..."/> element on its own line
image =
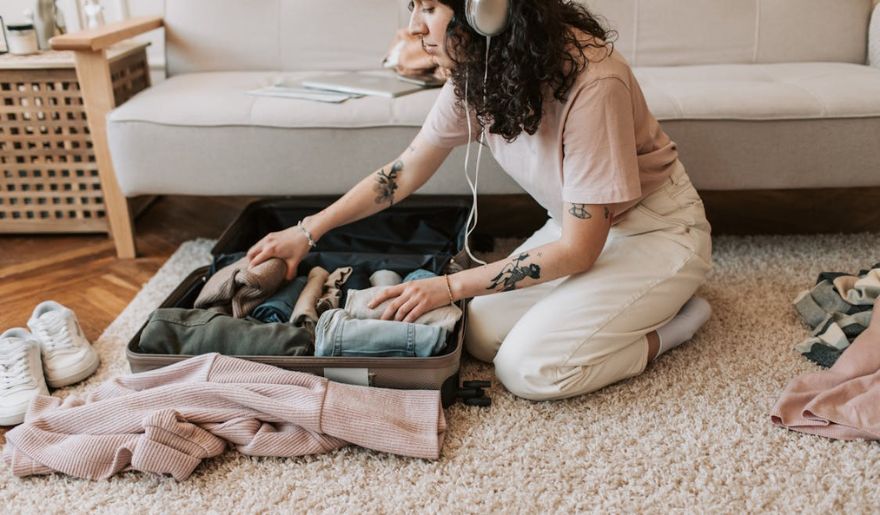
<point x="279" y="306"/>
<point x="340" y="334"/>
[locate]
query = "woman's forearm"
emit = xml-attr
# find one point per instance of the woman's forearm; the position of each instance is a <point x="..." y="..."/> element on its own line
<point x="383" y="188"/>
<point x="535" y="266"/>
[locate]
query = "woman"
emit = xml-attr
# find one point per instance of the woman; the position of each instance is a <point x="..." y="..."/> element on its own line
<point x="595" y="294"/>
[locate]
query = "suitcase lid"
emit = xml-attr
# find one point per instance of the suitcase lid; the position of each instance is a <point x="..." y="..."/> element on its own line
<point x="423" y="224"/>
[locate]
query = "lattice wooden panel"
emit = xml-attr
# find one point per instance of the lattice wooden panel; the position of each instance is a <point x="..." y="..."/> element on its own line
<point x="50" y="180"/>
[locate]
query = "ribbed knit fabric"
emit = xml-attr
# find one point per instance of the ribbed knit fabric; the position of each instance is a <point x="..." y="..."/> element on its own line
<point x="168" y="420"/>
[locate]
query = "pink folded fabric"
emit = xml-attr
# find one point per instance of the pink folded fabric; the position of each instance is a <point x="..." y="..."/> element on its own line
<point x="168" y="420"/>
<point x="842" y="402"/>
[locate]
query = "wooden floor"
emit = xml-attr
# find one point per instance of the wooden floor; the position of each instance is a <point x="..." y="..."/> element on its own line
<point x="83" y="273"/>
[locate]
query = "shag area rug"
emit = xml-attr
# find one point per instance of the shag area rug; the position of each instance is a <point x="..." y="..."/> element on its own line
<point x="691" y="434"/>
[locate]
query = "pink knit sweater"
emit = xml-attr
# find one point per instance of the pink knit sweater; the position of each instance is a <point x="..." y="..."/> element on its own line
<point x="168" y="420"/>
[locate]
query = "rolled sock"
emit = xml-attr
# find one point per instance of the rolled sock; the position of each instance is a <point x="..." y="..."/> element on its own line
<point x="682" y="327"/>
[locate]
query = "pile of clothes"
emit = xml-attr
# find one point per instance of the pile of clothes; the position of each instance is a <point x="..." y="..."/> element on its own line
<point x="253" y="311"/>
<point x="843" y="401"/>
<point x="166" y="421"/>
<point x="837" y="309"/>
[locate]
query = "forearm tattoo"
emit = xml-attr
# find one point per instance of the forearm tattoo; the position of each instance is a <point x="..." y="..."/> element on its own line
<point x="580" y="211"/>
<point x="386" y="183"/>
<point x="514" y="272"/>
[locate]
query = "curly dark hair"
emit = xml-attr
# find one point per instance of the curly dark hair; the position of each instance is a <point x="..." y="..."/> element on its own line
<point x="533" y="55"/>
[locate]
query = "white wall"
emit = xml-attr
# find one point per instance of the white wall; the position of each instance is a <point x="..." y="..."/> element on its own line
<point x="12" y="12"/>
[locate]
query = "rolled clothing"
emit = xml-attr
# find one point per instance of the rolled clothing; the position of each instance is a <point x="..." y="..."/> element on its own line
<point x="197" y="331"/>
<point x="305" y="313"/>
<point x="239" y="288"/>
<point x="842" y="402"/>
<point x="417" y="274"/>
<point x="358" y="280"/>
<point x="279" y="306"/>
<point x="167" y="420"/>
<point x="329" y="299"/>
<point x="385" y="278"/>
<point x="444" y="317"/>
<point x="224" y="260"/>
<point x="340" y="334"/>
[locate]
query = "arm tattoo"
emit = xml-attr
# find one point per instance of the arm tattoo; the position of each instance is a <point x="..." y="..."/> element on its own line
<point x="607" y="213"/>
<point x="387" y="183"/>
<point x="580" y="211"/>
<point x="514" y="272"/>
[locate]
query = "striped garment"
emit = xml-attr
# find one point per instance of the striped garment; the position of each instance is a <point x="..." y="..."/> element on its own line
<point x="167" y="420"/>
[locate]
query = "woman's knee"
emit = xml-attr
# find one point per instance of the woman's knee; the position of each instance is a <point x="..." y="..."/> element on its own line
<point x="481" y="334"/>
<point x="528" y="371"/>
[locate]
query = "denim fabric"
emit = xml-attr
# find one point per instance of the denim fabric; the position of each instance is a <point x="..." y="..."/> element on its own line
<point x="417" y="274"/>
<point x="200" y="331"/>
<point x="339" y="334"/>
<point x="444" y="317"/>
<point x="279" y="306"/>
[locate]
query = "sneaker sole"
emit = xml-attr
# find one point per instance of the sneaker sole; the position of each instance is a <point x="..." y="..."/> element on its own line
<point x="77" y="377"/>
<point x="18" y="417"/>
<point x="13" y="420"/>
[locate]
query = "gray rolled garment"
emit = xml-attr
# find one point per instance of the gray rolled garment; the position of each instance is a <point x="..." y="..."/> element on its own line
<point x="340" y="334"/>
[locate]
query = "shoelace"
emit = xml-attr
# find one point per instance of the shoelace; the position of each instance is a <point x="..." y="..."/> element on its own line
<point x="52" y="330"/>
<point x="15" y="370"/>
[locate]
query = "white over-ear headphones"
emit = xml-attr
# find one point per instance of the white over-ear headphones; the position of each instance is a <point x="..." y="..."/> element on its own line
<point x="487" y="17"/>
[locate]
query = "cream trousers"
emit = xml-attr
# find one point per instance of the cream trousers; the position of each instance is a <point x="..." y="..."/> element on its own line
<point x="578" y="333"/>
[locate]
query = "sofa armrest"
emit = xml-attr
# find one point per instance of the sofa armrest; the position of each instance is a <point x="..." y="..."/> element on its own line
<point x="103" y="37"/>
<point x="874" y="38"/>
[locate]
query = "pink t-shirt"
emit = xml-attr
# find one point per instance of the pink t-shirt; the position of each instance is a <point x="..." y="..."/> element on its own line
<point x="601" y="146"/>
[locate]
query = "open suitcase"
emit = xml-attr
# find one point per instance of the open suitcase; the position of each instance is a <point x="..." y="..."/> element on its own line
<point x="420" y="232"/>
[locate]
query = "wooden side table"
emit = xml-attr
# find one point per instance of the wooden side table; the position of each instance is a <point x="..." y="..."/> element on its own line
<point x="49" y="178"/>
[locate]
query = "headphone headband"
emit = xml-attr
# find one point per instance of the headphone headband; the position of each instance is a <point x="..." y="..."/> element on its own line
<point x="487" y="17"/>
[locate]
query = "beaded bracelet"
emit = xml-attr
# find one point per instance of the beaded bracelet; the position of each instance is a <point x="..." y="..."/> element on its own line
<point x="312" y="243"/>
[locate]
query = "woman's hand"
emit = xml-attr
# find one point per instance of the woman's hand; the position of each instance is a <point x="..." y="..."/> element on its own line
<point x="412" y="299"/>
<point x="291" y="245"/>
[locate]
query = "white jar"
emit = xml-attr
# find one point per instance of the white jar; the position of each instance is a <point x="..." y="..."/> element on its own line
<point x="22" y="39"/>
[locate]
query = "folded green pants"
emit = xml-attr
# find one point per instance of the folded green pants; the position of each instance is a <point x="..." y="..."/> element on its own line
<point x="200" y="331"/>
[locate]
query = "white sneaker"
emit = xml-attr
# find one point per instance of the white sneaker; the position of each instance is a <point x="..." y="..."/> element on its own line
<point x="21" y="374"/>
<point x="68" y="357"/>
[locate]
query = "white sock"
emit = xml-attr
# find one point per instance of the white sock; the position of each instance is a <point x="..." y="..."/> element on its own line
<point x="682" y="327"/>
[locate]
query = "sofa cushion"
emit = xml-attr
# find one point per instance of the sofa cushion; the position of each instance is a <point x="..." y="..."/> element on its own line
<point x="761" y="91"/>
<point x="685" y="32"/>
<point x="217" y="140"/>
<point x="738" y="92"/>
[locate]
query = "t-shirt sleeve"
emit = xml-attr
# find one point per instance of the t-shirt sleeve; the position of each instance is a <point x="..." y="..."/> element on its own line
<point x="446" y="125"/>
<point x="600" y="163"/>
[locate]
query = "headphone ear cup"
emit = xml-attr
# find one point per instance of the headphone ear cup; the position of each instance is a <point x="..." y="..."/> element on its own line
<point x="487" y="17"/>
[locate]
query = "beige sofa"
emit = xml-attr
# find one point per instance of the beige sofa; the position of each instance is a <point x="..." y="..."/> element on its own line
<point x="761" y="94"/>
